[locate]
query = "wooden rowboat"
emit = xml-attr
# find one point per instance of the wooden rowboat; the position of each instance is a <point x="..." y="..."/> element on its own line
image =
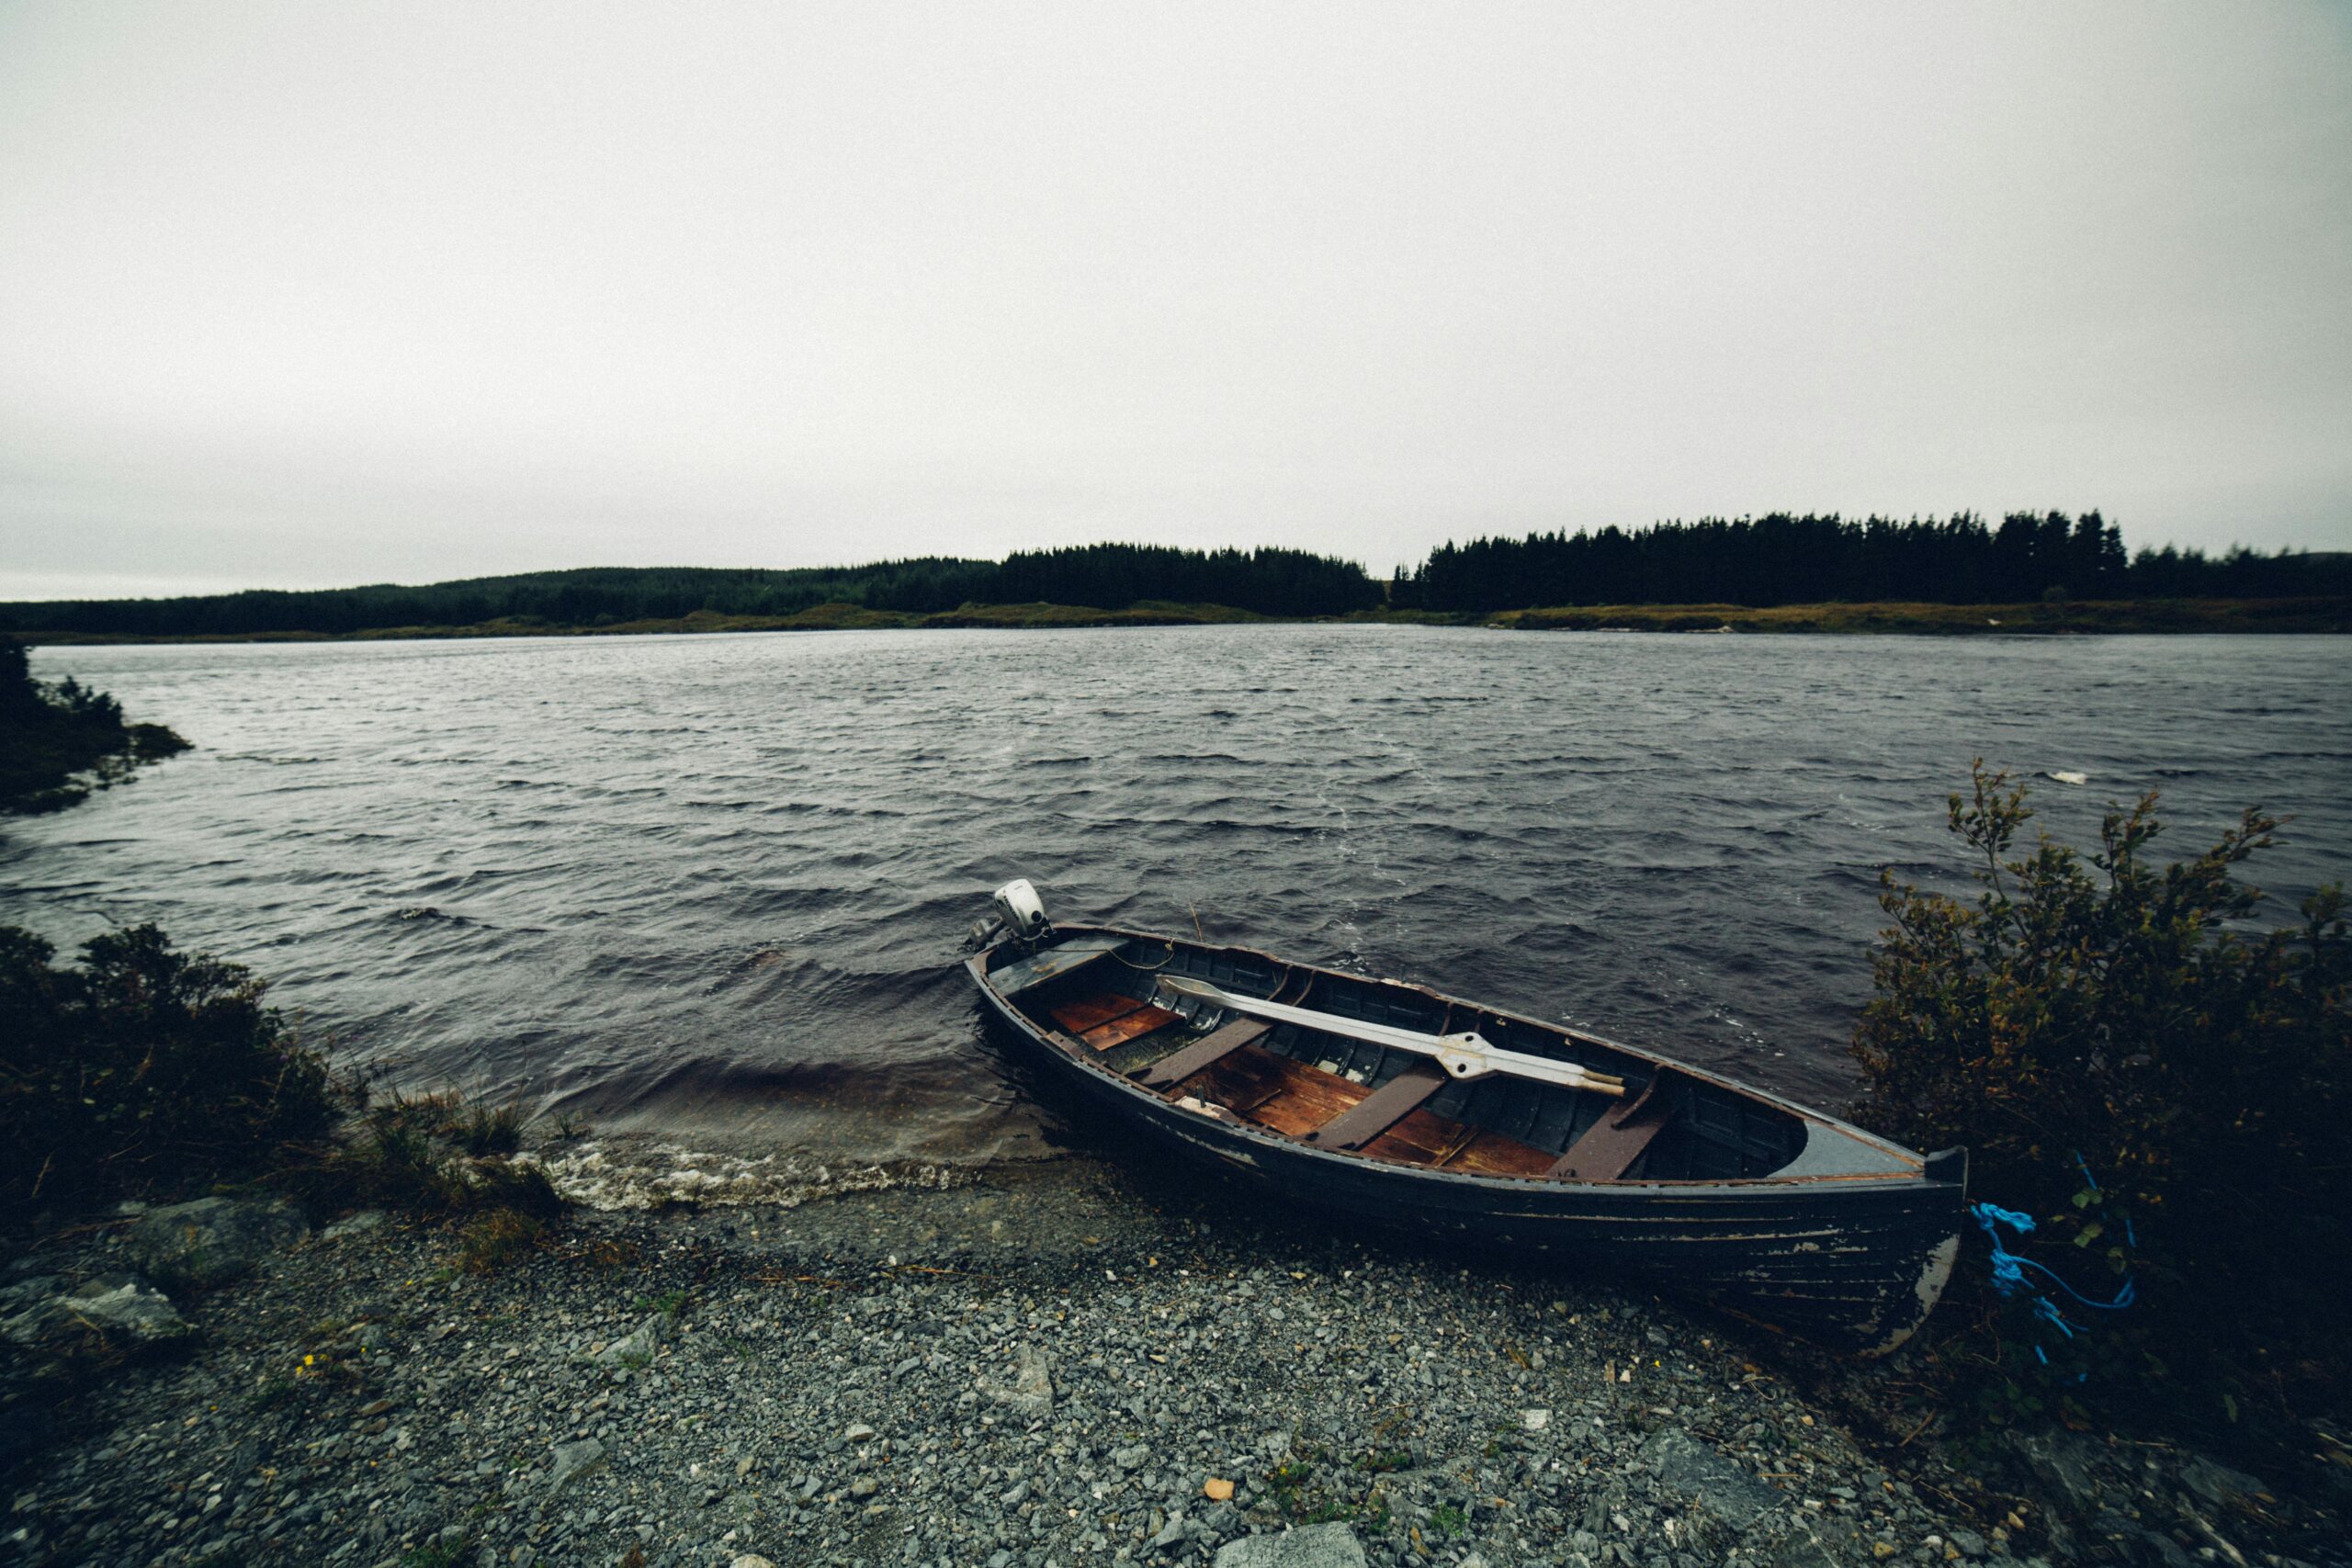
<point x="1413" y="1110"/>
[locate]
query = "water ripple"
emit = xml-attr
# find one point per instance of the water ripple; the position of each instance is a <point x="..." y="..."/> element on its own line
<point x="713" y="888"/>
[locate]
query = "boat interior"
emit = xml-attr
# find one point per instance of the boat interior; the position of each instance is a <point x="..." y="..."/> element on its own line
<point x="1098" y="995"/>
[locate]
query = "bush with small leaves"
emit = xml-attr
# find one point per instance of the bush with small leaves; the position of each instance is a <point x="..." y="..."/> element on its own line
<point x="142" y="1070"/>
<point x="2162" y="1086"/>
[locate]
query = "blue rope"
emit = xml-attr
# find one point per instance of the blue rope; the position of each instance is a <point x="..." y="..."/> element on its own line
<point x="2009" y="1269"/>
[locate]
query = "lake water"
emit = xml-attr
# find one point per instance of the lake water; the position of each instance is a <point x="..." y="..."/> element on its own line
<point x="715" y="887"/>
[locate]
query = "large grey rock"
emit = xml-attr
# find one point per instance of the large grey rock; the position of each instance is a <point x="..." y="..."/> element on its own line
<point x="28" y="1289"/>
<point x="212" y="1240"/>
<point x="119" y="1314"/>
<point x="2222" y="1487"/>
<point x="1311" y="1546"/>
<point x="1799" y="1543"/>
<point x="1029" y="1393"/>
<point x="2072" y="1467"/>
<point x="1705" y="1477"/>
<point x="573" y="1461"/>
<point x="360" y="1223"/>
<point x="636" y="1348"/>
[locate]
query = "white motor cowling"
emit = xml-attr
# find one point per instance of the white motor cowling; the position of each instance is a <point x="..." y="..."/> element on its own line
<point x="1023" y="912"/>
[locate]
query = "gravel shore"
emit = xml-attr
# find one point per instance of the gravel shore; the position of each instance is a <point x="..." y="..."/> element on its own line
<point x="1044" y="1366"/>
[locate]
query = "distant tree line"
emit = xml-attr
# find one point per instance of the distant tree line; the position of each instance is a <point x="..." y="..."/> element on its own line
<point x="1785" y="559"/>
<point x="1269" y="582"/>
<point x="1762" y="561"/>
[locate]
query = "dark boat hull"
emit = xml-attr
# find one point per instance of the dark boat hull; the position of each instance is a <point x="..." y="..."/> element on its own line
<point x="1850" y="1263"/>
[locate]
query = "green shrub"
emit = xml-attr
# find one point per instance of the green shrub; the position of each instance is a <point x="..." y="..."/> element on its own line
<point x="148" y="1072"/>
<point x="142" y="1070"/>
<point x="60" y="741"/>
<point x="2115" y="1017"/>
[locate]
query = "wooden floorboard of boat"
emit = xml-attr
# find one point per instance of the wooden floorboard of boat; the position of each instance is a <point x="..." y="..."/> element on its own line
<point x="1083" y="1013"/>
<point x="1128" y="1026"/>
<point x="1427" y="1139"/>
<point x="1276" y="1092"/>
<point x="1496" y="1154"/>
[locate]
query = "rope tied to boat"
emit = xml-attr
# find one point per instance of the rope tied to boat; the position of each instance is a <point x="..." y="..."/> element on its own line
<point x="2009" y="1267"/>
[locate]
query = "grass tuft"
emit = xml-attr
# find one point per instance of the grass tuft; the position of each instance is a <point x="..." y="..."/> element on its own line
<point x="491" y="1130"/>
<point x="496" y="1237"/>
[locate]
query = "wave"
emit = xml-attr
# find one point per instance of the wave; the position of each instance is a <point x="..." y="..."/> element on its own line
<point x="715" y="895"/>
<point x="659" y="1175"/>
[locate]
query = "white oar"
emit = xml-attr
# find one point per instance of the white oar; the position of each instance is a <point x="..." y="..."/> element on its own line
<point x="1464" y="1055"/>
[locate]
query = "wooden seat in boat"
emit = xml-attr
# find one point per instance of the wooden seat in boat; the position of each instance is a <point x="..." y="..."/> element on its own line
<point x="1610" y="1145"/>
<point x="1174" y="1069"/>
<point x="1386" y="1106"/>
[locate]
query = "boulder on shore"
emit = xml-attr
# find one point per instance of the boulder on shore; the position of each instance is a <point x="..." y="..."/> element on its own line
<point x="573" y="1460"/>
<point x="636" y="1348"/>
<point x="1709" y="1481"/>
<point x="211" y="1240"/>
<point x="113" y="1315"/>
<point x="1029" y="1392"/>
<point x="1309" y="1546"/>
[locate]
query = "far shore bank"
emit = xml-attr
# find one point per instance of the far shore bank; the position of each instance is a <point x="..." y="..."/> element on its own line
<point x="2323" y="615"/>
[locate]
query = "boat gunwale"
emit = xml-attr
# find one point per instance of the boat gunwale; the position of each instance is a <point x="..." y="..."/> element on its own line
<point x="1899" y="1181"/>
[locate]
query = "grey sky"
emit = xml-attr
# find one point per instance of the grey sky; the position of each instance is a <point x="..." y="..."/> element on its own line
<point x="313" y="294"/>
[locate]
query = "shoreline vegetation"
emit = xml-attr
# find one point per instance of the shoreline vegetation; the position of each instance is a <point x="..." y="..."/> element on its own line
<point x="59" y="740"/>
<point x="2150" y="1086"/>
<point x="1779" y="573"/>
<point x="2280" y="617"/>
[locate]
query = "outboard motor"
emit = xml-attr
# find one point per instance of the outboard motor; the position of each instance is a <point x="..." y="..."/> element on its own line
<point x="1023" y="912"/>
<point x="1020" y="916"/>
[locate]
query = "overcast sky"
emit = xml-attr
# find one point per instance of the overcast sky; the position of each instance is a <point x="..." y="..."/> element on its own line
<point x="312" y="294"/>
